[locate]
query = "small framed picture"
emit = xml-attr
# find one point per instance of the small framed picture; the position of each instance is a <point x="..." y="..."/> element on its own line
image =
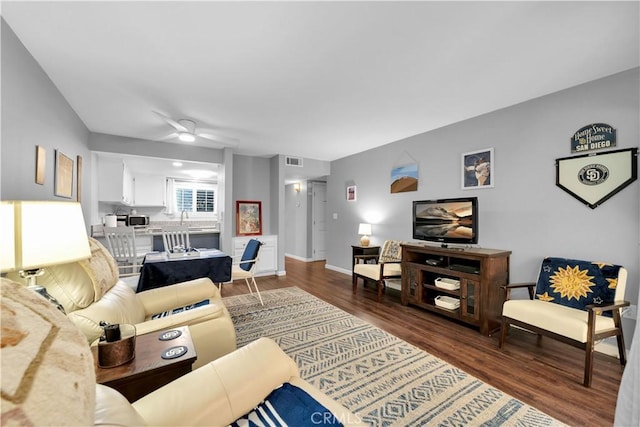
<point x="478" y="169"/>
<point x="63" y="185"/>
<point x="41" y="163"/>
<point x="351" y="193"/>
<point x="79" y="178"/>
<point x="248" y="218"/>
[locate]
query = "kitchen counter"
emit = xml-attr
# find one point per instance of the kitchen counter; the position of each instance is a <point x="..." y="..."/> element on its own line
<point x="202" y="234"/>
<point x="156" y="230"/>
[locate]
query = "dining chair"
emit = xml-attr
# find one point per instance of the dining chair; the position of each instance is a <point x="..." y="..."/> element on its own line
<point x="121" y="242"/>
<point x="175" y="235"/>
<point x="246" y="266"/>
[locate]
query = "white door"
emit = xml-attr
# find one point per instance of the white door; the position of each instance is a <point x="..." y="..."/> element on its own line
<point x="319" y="230"/>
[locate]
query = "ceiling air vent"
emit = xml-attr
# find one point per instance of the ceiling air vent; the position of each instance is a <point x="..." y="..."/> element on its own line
<point x="293" y="161"/>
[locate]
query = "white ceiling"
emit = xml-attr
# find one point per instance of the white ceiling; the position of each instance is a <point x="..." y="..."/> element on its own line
<point x="321" y="80"/>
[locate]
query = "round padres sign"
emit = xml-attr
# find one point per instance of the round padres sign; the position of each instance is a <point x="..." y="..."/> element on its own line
<point x="593" y="174"/>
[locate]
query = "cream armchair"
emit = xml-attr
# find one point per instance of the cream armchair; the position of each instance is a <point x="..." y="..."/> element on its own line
<point x="216" y="394"/>
<point x="574" y="301"/>
<point x="91" y="292"/>
<point x="388" y="266"/>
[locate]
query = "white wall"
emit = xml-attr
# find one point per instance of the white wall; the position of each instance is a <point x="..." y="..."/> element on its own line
<point x="35" y="113"/>
<point x="525" y="212"/>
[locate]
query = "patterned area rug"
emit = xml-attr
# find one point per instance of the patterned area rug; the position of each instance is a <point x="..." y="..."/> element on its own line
<point x="386" y="381"/>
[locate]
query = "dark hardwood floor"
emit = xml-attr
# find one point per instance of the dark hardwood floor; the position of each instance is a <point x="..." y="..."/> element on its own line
<point x="545" y="374"/>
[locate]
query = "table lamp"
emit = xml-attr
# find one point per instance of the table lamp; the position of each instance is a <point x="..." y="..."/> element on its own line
<point x="365" y="231"/>
<point x="37" y="234"/>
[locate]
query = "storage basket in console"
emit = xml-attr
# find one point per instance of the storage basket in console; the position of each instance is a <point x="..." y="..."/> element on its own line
<point x="447" y="302"/>
<point x="447" y="283"/>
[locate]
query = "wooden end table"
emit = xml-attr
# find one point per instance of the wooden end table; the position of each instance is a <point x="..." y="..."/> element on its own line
<point x="148" y="371"/>
<point x="364" y="254"/>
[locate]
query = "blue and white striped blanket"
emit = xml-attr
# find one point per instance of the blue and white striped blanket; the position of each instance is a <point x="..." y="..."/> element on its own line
<point x="181" y="309"/>
<point x="288" y="405"/>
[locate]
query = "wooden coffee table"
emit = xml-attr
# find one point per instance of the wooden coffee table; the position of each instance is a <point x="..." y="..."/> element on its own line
<point x="148" y="371"/>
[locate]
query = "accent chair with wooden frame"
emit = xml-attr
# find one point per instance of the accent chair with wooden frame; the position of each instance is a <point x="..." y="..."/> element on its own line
<point x="388" y="266"/>
<point x="575" y="302"/>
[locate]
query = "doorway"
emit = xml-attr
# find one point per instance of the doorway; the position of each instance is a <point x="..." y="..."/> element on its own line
<point x="318" y="221"/>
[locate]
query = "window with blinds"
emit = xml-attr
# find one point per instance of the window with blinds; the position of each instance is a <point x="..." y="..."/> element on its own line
<point x="197" y="198"/>
<point x="205" y="201"/>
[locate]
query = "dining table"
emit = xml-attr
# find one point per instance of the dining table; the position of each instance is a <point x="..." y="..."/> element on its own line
<point x="163" y="269"/>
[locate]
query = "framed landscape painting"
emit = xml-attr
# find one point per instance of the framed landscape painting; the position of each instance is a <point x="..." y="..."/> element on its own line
<point x="248" y="218"/>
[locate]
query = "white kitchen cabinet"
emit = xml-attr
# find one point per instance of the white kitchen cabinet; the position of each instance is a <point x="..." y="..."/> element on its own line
<point x="267" y="257"/>
<point x="115" y="182"/>
<point x="149" y="190"/>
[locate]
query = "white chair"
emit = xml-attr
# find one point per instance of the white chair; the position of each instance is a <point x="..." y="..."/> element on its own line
<point x="121" y="242"/>
<point x="245" y="267"/>
<point x="175" y="235"/>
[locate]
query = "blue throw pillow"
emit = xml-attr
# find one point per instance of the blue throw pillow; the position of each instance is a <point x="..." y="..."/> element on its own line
<point x="250" y="253"/>
<point x="288" y="405"/>
<point x="577" y="283"/>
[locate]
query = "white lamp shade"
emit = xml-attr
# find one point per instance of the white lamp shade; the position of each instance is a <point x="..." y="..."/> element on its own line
<point x="44" y="233"/>
<point x="364" y="229"/>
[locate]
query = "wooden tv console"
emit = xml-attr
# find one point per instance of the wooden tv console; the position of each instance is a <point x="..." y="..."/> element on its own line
<point x="480" y="273"/>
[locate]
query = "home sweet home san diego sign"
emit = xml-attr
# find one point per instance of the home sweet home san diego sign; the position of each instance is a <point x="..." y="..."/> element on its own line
<point x="596" y="136"/>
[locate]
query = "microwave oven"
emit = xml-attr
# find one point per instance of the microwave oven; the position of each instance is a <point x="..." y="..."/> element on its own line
<point x="138" y="221"/>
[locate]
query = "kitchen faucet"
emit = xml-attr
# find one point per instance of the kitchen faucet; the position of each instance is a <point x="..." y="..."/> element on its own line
<point x="182" y="215"/>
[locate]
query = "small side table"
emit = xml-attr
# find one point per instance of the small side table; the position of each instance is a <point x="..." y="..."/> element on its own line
<point x="364" y="254"/>
<point x="148" y="371"/>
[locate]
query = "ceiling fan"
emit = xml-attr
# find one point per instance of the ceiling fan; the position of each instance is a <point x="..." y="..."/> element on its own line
<point x="186" y="131"/>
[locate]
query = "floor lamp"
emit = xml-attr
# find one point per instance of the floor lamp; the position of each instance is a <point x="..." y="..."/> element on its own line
<point x="38" y="234"/>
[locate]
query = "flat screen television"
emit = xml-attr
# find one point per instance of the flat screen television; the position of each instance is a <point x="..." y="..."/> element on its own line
<point x="446" y="220"/>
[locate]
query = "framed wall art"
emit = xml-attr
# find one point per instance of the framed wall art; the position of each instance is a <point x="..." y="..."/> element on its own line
<point x="248" y="218"/>
<point x="478" y="169"/>
<point x="594" y="178"/>
<point x="41" y="164"/>
<point x="404" y="178"/>
<point x="351" y="193"/>
<point x="79" y="178"/>
<point x="63" y="185"/>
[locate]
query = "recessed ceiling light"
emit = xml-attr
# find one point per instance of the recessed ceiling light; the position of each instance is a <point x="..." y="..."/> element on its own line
<point x="177" y="164"/>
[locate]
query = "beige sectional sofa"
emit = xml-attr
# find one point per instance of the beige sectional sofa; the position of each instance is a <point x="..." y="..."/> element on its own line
<point x="91" y="292"/>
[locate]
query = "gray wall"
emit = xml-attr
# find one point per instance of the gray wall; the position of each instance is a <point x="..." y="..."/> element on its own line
<point x="251" y="181"/>
<point x="525" y="212"/>
<point x="297" y="206"/>
<point x="34" y="113"/>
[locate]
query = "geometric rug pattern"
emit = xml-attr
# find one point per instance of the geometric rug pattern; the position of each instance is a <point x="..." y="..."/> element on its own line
<point x="383" y="379"/>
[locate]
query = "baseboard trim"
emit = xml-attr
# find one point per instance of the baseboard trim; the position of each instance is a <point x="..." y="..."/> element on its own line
<point x="298" y="258"/>
<point x="338" y="269"/>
